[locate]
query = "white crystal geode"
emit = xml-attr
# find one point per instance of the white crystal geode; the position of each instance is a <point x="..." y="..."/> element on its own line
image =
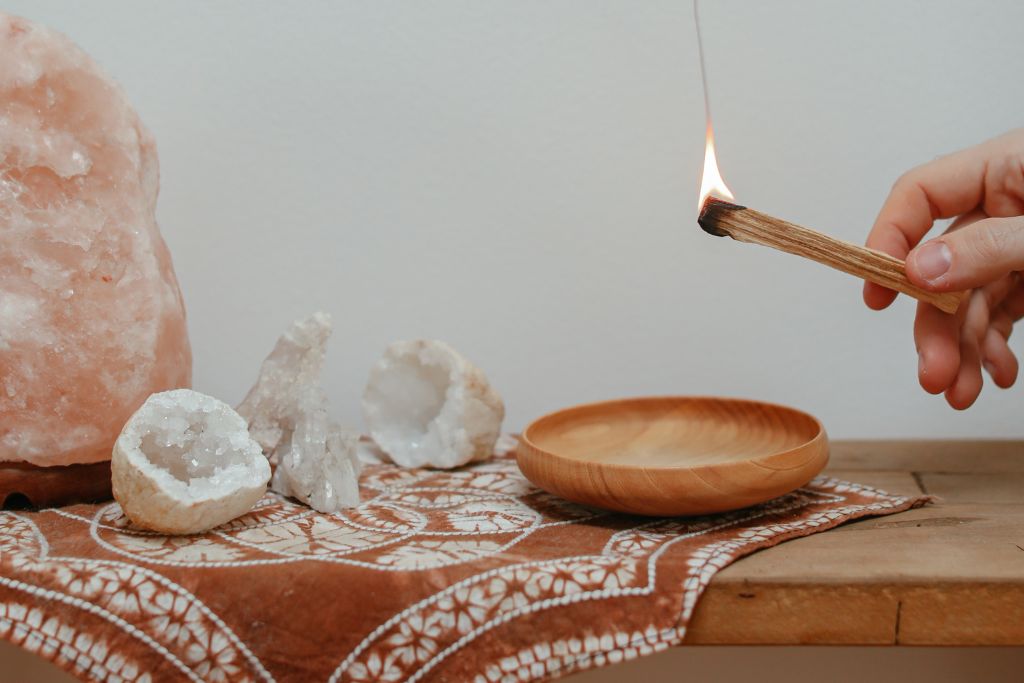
<point x="91" y="318"/>
<point x="287" y="410"/>
<point x="427" y="406"/>
<point x="185" y="463"/>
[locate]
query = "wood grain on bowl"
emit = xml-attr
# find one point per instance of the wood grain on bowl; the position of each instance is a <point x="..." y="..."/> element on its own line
<point x="673" y="455"/>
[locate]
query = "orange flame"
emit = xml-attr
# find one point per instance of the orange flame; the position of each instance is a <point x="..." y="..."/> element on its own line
<point x="711" y="183"/>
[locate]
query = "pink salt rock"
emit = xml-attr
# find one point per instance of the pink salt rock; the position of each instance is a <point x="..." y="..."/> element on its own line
<point x="91" y="317"/>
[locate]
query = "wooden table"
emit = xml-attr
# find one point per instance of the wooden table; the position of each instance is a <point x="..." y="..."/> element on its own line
<point x="948" y="574"/>
<point x="951" y="573"/>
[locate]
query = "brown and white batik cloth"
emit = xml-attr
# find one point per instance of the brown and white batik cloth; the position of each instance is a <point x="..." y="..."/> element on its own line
<point x="465" y="575"/>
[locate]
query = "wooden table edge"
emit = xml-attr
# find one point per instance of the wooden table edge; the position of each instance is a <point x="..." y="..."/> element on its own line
<point x="886" y="611"/>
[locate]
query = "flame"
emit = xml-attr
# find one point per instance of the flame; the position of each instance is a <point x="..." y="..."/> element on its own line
<point x="711" y="183"/>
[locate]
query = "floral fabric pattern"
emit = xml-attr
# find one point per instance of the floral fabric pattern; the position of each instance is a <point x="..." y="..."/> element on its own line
<point x="472" y="574"/>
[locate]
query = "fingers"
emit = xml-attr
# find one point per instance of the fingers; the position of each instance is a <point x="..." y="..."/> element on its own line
<point x="878" y="297"/>
<point x="946" y="187"/>
<point x="1013" y="304"/>
<point x="916" y="201"/>
<point x="965" y="219"/>
<point x="985" y="182"/>
<point x="966" y="387"/>
<point x="998" y="359"/>
<point x="937" y="336"/>
<point x="952" y="349"/>
<point x="989" y="175"/>
<point x="972" y="256"/>
<point x="943" y="188"/>
<point x="1004" y="181"/>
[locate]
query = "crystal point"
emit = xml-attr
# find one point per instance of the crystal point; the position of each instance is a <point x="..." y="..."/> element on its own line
<point x="288" y="416"/>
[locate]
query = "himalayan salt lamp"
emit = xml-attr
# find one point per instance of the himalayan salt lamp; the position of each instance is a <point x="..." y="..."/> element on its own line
<point x="91" y="317"/>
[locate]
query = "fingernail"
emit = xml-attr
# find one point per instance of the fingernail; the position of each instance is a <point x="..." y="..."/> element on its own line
<point x="921" y="369"/>
<point x="990" y="369"/>
<point x="933" y="260"/>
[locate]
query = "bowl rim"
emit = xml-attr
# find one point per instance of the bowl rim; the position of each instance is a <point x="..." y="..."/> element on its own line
<point x="820" y="437"/>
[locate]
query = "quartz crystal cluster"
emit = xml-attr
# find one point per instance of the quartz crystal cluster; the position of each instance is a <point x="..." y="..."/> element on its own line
<point x="427" y="406"/>
<point x="185" y="463"/>
<point x="91" y="318"/>
<point x="287" y="411"/>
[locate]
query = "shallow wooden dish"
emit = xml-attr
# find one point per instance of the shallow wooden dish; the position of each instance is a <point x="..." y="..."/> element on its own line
<point x="673" y="455"/>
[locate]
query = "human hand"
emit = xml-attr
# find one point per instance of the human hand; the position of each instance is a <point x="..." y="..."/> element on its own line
<point x="983" y="250"/>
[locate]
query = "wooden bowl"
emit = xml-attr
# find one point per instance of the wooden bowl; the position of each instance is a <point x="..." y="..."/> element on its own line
<point x="669" y="456"/>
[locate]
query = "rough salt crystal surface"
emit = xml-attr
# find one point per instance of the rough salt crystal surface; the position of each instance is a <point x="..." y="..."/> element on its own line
<point x="91" y="318"/>
<point x="288" y="416"/>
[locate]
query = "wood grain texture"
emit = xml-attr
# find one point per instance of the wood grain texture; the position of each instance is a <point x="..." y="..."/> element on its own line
<point x="23" y="485"/>
<point x="975" y="456"/>
<point x="673" y="455"/>
<point x="748" y="225"/>
<point x="951" y="573"/>
<point x="898" y="614"/>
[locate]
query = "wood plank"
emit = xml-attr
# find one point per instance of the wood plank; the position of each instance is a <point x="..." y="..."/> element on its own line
<point x="951" y="573"/>
<point x="945" y="542"/>
<point x="926" y="614"/>
<point x="962" y="614"/>
<point x="756" y="613"/>
<point x="929" y="455"/>
<point x="840" y="664"/>
<point x="1004" y="488"/>
<point x="896" y="483"/>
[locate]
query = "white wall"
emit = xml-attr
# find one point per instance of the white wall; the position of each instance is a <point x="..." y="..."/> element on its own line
<point x="519" y="178"/>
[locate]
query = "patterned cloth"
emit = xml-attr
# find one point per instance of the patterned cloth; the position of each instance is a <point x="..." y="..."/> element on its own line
<point x="465" y="575"/>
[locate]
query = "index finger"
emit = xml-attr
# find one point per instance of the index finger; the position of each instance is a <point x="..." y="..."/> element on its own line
<point x="947" y="187"/>
<point x="944" y="188"/>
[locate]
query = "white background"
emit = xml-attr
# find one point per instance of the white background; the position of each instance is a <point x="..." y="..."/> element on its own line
<point x="519" y="178"/>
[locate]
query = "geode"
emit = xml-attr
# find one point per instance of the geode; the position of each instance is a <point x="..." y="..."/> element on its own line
<point x="185" y="463"/>
<point x="91" y="317"/>
<point x="428" y="406"/>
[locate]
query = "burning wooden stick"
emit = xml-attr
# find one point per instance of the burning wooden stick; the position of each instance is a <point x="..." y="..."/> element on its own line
<point x="722" y="218"/>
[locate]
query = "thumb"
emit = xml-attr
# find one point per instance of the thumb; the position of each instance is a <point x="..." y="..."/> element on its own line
<point x="972" y="256"/>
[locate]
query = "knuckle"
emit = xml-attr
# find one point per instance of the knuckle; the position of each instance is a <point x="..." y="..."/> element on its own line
<point x="907" y="180"/>
<point x="992" y="242"/>
<point x="989" y="242"/>
<point x="1004" y="184"/>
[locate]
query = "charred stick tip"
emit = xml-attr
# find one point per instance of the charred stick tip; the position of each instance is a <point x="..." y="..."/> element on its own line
<point x="713" y="209"/>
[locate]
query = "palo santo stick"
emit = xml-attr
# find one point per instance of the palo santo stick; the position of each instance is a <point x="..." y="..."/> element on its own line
<point x="721" y="218"/>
